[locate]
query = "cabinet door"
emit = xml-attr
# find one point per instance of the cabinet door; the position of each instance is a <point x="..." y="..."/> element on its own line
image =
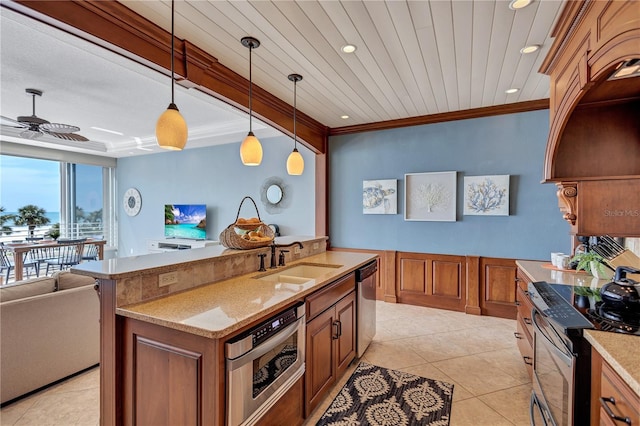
<point x="173" y="369"/>
<point x="431" y="280"/>
<point x="524" y="311"/>
<point x="321" y="358"/>
<point x="346" y="341"/>
<point x="525" y="345"/>
<point x="620" y="400"/>
<point x="498" y="287"/>
<point x="170" y="377"/>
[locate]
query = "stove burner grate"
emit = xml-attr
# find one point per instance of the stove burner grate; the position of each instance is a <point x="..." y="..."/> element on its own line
<point x="606" y="318"/>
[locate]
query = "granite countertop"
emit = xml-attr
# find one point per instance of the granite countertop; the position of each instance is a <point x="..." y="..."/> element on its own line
<point x="544" y="271"/>
<point x="218" y="309"/>
<point x="621" y="351"/>
<point x="124" y="267"/>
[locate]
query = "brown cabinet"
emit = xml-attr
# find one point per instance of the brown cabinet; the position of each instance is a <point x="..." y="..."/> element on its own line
<point x="331" y="338"/>
<point x="594" y="139"/>
<point x="524" y="325"/>
<point x="170" y="377"/>
<point x="431" y="280"/>
<point x="498" y="287"/>
<point x="612" y="400"/>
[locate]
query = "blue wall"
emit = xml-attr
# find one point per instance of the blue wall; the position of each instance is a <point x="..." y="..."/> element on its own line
<point x="213" y="176"/>
<point x="512" y="144"/>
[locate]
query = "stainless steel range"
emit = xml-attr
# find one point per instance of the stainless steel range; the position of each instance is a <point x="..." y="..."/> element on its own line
<point x="562" y="356"/>
<point x="561" y="360"/>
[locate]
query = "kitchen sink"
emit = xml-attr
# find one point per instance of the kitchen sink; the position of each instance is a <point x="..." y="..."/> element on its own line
<point x="283" y="278"/>
<point x="298" y="274"/>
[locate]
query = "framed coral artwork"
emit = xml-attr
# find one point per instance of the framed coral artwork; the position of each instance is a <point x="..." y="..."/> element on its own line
<point x="430" y="196"/>
<point x="486" y="195"/>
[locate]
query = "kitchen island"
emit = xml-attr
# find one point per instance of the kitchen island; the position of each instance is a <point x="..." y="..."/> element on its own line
<point x="218" y="309"/>
<point x="173" y="335"/>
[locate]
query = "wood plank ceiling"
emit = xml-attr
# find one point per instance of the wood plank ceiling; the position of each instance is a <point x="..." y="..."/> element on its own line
<point x="416" y="62"/>
<point x="413" y="58"/>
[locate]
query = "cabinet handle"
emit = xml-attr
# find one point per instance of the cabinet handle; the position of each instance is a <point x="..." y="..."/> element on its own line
<point x="607" y="409"/>
<point x="527" y="320"/>
<point x="97" y="288"/>
<point x="528" y="360"/>
<point x="339" y="328"/>
<point x="517" y="303"/>
<point x="336" y="330"/>
<point x="518" y="335"/>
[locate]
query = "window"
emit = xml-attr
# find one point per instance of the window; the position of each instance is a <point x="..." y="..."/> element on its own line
<point x="79" y="197"/>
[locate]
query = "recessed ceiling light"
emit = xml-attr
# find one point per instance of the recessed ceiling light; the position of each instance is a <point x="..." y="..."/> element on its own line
<point x="511" y="91"/>
<point x="519" y="4"/>
<point x="348" y="48"/>
<point x="530" y="49"/>
<point x="107" y="131"/>
<point x="344" y="117"/>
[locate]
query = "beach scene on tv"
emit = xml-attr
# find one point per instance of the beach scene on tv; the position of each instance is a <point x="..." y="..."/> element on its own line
<point x="185" y="221"/>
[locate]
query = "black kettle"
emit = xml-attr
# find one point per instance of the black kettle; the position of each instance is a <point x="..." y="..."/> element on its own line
<point x="622" y="292"/>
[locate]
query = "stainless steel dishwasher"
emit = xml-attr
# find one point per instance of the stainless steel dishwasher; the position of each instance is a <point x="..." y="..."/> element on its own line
<point x="366" y="305"/>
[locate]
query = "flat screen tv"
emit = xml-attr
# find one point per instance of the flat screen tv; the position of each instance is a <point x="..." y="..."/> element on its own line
<point x="185" y="221"/>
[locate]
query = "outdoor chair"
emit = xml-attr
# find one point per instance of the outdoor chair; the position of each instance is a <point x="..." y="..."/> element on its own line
<point x="69" y="254"/>
<point x="40" y="256"/>
<point x="6" y="264"/>
<point x="90" y="252"/>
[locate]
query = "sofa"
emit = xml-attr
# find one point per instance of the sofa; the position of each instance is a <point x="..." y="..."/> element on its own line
<point x="49" y="329"/>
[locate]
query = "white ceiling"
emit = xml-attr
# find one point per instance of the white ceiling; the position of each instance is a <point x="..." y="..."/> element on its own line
<point x="413" y="58"/>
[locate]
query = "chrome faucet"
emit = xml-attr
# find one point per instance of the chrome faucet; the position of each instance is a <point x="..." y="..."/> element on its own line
<point x="273" y="252"/>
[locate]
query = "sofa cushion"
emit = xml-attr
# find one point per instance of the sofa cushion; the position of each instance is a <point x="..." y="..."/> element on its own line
<point x="28" y="288"/>
<point x="67" y="280"/>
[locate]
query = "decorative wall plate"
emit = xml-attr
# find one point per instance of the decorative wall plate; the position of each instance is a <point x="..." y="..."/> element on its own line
<point x="132" y="201"/>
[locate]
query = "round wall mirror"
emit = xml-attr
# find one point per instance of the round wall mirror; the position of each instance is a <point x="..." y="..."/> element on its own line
<point x="274" y="194"/>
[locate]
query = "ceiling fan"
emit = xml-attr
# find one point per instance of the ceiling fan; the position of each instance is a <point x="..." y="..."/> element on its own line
<point x="36" y="127"/>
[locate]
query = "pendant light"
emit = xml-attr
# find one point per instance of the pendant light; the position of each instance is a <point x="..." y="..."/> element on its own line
<point x="250" y="150"/>
<point x="171" y="129"/>
<point x="295" y="162"/>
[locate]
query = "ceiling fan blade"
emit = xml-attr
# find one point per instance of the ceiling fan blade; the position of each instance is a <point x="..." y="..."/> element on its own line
<point x="68" y="136"/>
<point x="31" y="120"/>
<point x="58" y="128"/>
<point x="8" y="122"/>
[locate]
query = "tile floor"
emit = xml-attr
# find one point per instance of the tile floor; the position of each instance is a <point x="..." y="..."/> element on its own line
<point x="477" y="354"/>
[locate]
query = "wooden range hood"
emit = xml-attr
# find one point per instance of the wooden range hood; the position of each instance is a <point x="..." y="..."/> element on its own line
<point x="593" y="150"/>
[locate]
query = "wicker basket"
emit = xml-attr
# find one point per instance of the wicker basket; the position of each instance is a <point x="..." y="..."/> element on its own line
<point x="231" y="236"/>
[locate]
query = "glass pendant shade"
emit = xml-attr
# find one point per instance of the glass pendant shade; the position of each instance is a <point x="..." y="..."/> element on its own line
<point x="171" y="129"/>
<point x="251" y="151"/>
<point x="295" y="163"/>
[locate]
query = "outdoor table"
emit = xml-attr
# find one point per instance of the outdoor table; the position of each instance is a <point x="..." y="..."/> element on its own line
<point x="20" y="250"/>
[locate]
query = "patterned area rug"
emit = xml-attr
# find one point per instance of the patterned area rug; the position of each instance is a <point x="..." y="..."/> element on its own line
<point x="378" y="396"/>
